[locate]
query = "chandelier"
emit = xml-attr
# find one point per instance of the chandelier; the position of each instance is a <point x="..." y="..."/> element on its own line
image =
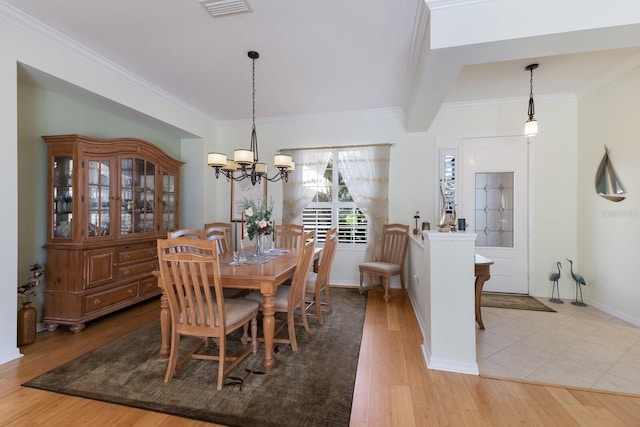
<point x="245" y="163"/>
<point x="531" y="125"/>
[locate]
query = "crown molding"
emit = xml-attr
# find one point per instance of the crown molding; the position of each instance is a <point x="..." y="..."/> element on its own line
<point x="43" y="31"/>
<point x="622" y="69"/>
<point x="391" y="111"/>
<point x="520" y="100"/>
<point x="442" y="4"/>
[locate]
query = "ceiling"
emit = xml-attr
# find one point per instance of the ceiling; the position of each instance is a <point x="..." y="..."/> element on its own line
<point x="315" y="57"/>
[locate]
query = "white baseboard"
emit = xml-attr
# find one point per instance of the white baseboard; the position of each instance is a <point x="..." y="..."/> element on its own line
<point x="613" y="312"/>
<point x="10" y="355"/>
<point x="440" y="364"/>
<point x="449" y="365"/>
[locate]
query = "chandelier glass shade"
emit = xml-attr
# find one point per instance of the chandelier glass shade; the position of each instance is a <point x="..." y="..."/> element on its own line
<point x="245" y="163"/>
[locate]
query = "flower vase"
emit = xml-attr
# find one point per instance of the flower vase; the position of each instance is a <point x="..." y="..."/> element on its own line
<point x="261" y="244"/>
<point x="27" y="319"/>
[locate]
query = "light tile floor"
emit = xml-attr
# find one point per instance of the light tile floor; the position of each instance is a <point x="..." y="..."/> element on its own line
<point x="577" y="346"/>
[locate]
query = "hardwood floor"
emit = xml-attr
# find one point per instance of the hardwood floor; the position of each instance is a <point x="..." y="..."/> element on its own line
<point x="393" y="386"/>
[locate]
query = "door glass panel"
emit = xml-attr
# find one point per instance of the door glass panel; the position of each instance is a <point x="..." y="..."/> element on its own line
<point x="62" y="196"/>
<point x="99" y="198"/>
<point x="494" y="209"/>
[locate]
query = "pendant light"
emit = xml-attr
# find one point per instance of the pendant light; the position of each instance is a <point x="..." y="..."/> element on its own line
<point x="247" y="160"/>
<point x="531" y="125"/>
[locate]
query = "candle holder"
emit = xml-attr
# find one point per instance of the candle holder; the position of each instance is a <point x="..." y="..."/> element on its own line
<point x="416" y="230"/>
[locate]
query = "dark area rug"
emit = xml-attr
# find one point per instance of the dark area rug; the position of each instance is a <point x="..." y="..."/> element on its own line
<point x="513" y="301"/>
<point x="311" y="387"/>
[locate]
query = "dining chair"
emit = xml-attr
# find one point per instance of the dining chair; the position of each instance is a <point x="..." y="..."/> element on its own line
<point x="288" y="236"/>
<point x="319" y="282"/>
<point x="190" y="278"/>
<point x="289" y="298"/>
<point x="192" y="233"/>
<point x="390" y="261"/>
<point x="225" y="228"/>
<point x="218" y="236"/>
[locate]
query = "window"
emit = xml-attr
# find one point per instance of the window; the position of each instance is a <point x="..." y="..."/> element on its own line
<point x="333" y="206"/>
<point x="449" y="181"/>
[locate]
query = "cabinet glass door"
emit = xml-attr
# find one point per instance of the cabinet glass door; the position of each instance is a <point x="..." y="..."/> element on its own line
<point x="168" y="202"/>
<point x="99" y="203"/>
<point x="137" y="196"/>
<point x="62" y="197"/>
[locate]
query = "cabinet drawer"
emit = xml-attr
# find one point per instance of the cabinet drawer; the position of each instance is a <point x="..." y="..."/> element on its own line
<point x="132" y="254"/>
<point x="149" y="286"/>
<point x="101" y="300"/>
<point x="137" y="269"/>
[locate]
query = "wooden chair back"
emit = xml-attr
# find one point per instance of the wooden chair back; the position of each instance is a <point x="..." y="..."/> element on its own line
<point x="301" y="274"/>
<point x="220" y="233"/>
<point x="191" y="233"/>
<point x="395" y="241"/>
<point x="326" y="262"/>
<point x="319" y="282"/>
<point x="288" y="236"/>
<point x="195" y="297"/>
<point x="190" y="279"/>
<point x="224" y="227"/>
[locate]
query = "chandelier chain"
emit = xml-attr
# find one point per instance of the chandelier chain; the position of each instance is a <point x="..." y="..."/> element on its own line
<point x="531" y="109"/>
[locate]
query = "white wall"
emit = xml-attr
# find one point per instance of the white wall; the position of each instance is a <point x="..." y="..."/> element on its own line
<point x="411" y="162"/>
<point x="552" y="164"/>
<point x="607" y="249"/>
<point x="42" y="112"/>
<point x="54" y="114"/>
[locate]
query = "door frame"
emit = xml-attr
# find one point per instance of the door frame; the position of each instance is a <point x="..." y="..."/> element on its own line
<point x="446" y="145"/>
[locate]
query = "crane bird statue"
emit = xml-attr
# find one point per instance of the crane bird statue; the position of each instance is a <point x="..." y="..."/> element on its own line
<point x="579" y="283"/>
<point x="554" y="278"/>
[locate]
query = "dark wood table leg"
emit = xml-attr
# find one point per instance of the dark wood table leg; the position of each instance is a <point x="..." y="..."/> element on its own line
<point x="482" y="275"/>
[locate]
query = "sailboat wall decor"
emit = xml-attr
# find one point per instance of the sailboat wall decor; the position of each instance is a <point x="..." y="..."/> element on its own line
<point x="608" y="186"/>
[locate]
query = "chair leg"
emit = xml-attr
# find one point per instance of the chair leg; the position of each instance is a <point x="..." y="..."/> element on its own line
<point x="318" y="303"/>
<point x="292" y="330"/>
<point x="386" y="289"/>
<point x="221" y="359"/>
<point x="245" y="335"/>
<point x="254" y="334"/>
<point x="327" y="297"/>
<point x="402" y="281"/>
<point x="303" y="314"/>
<point x="361" y="288"/>
<point x="173" y="357"/>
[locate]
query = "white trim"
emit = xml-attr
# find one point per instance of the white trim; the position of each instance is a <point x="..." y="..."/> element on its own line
<point x="520" y="100"/>
<point x="9" y="356"/>
<point x="391" y="111"/>
<point x="613" y="312"/>
<point x="443" y="4"/>
<point x="470" y="368"/>
<point x="42" y="30"/>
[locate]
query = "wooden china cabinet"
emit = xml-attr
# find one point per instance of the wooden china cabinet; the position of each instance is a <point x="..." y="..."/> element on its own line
<point x="108" y="202"/>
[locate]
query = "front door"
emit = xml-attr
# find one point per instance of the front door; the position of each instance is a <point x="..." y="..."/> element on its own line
<point x="494" y="203"/>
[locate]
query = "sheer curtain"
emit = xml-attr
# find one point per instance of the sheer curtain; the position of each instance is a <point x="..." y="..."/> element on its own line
<point x="365" y="171"/>
<point x="303" y="183"/>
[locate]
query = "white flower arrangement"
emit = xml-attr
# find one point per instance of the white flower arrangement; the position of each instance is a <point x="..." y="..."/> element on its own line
<point x="257" y="218"/>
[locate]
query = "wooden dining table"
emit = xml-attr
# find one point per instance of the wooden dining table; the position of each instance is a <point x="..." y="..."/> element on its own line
<point x="264" y="277"/>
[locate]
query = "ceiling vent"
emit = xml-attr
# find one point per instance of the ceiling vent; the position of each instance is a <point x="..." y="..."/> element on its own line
<point x="225" y="7"/>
